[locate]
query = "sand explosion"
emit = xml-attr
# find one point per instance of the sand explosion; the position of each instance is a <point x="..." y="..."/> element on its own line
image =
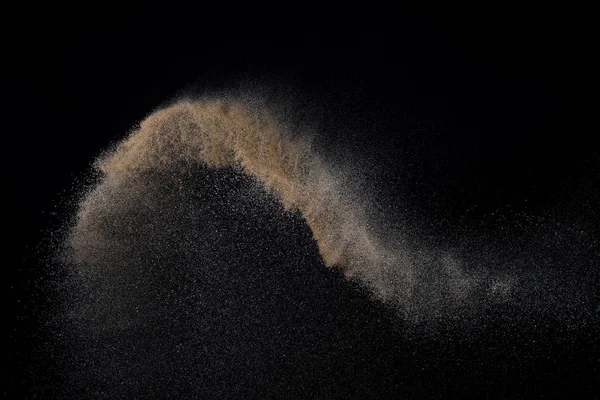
<point x="223" y="133"/>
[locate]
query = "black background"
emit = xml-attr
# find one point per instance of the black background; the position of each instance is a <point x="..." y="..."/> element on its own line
<point x="497" y="94"/>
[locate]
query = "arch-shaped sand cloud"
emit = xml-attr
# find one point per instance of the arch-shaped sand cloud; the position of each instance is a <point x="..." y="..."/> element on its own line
<point x="222" y="133"/>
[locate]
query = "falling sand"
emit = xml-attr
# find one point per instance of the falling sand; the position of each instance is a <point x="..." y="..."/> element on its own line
<point x="221" y="133"/>
<point x="224" y="133"/>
